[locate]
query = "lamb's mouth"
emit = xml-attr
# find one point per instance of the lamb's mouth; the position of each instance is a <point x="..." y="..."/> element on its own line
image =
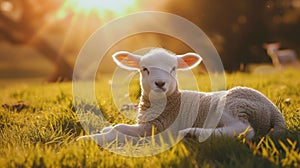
<point x="160" y="90"/>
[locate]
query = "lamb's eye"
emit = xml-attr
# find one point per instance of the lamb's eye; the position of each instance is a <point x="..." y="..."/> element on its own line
<point x="145" y="70"/>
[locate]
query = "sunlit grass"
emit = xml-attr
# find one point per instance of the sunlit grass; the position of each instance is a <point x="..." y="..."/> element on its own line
<point x="44" y="132"/>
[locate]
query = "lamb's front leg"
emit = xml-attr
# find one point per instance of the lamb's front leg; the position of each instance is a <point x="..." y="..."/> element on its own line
<point x="231" y="130"/>
<point x="119" y="132"/>
<point x="100" y="138"/>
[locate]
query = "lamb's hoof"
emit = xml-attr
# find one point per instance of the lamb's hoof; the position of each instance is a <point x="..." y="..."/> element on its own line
<point x="186" y="133"/>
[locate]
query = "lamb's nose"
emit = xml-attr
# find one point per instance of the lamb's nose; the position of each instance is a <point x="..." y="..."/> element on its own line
<point x="160" y="84"/>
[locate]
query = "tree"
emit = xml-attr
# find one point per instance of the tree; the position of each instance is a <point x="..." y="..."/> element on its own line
<point x="20" y="22"/>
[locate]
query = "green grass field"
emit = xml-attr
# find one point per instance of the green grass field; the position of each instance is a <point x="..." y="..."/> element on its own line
<point x="38" y="128"/>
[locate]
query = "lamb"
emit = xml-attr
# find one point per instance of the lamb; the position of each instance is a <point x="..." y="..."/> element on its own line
<point x="163" y="107"/>
<point x="281" y="58"/>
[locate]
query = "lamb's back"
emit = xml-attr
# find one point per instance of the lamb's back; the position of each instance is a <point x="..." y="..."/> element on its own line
<point x="252" y="107"/>
<point x="240" y="103"/>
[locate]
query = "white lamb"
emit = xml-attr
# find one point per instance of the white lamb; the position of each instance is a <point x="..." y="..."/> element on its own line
<point x="163" y="107"/>
<point x="281" y="58"/>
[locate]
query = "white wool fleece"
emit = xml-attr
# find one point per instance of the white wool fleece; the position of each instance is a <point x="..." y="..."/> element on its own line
<point x="243" y="108"/>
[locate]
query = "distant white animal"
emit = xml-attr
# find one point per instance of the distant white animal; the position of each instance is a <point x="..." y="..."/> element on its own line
<point x="281" y="58"/>
<point x="162" y="106"/>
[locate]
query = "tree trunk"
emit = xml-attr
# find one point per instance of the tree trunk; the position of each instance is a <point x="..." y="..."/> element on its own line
<point x="63" y="71"/>
<point x="18" y="33"/>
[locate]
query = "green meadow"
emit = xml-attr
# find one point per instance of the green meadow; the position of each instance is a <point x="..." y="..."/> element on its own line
<point x="39" y="125"/>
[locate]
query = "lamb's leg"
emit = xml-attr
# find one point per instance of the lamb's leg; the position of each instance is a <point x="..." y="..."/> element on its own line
<point x="231" y="130"/>
<point x="100" y="138"/>
<point x="119" y="132"/>
<point x="106" y="129"/>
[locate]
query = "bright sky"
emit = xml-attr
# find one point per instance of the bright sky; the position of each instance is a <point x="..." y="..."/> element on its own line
<point x="102" y="8"/>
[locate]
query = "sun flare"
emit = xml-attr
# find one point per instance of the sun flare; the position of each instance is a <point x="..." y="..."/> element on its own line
<point x="101" y="7"/>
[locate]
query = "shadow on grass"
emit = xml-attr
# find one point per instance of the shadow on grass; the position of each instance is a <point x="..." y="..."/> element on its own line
<point x="225" y="152"/>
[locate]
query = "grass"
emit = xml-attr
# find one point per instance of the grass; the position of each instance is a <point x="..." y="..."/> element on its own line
<point x="38" y="128"/>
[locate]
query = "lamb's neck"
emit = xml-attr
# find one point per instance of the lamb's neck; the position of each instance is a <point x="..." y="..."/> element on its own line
<point x="150" y="110"/>
<point x="146" y="103"/>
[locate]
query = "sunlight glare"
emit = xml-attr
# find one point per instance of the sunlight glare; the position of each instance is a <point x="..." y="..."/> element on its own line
<point x="6" y="6"/>
<point x="101" y="7"/>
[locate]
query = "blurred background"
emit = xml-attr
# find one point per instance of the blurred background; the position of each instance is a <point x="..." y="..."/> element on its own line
<point x="41" y="39"/>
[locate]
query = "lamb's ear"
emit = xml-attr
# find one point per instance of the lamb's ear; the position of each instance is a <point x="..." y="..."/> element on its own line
<point x="127" y="60"/>
<point x="188" y="61"/>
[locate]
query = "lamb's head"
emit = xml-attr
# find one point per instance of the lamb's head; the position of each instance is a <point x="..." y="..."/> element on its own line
<point x="157" y="68"/>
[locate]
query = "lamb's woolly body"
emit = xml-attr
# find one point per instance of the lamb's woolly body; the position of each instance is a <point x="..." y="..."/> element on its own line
<point x="250" y="106"/>
<point x="177" y="103"/>
<point x="241" y="104"/>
